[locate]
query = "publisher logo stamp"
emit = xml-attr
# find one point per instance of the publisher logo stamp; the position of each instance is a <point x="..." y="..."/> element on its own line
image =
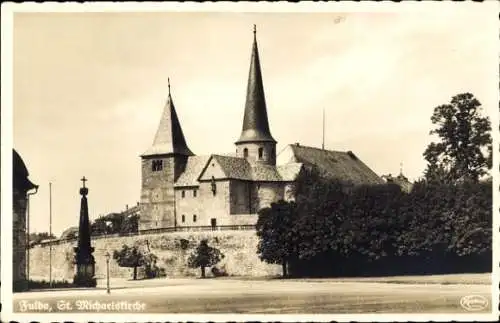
<point x="474" y="303"/>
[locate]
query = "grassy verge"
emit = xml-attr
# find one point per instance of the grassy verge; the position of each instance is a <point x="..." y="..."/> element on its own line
<point x="21" y="286"/>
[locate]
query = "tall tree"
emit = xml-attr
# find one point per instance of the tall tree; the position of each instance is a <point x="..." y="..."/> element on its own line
<point x="464" y="149"/>
<point x="204" y="256"/>
<point x="276" y="231"/>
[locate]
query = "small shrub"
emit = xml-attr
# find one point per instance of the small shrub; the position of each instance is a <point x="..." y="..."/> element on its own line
<point x="219" y="272"/>
<point x="84" y="281"/>
<point x="184" y="244"/>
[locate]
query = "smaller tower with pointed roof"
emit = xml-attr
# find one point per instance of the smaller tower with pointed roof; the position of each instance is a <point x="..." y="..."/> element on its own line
<point x="256" y="144"/>
<point x="162" y="164"/>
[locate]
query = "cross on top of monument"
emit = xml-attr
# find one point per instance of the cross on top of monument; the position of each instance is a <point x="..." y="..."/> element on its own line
<point x="84" y="180"/>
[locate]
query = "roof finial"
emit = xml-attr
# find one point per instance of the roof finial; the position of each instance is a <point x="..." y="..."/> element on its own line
<point x="401" y="168"/>
<point x="168" y="85"/>
<point x="254" y="30"/>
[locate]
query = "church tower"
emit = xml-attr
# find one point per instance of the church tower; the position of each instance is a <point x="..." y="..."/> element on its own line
<point x="256" y="143"/>
<point x="162" y="164"/>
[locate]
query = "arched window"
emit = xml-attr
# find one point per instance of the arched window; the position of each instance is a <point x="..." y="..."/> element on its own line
<point x="261" y="152"/>
<point x="183" y="218"/>
<point x="245" y="152"/>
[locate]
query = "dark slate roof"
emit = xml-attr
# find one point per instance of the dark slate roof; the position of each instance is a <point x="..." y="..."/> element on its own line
<point x="234" y="167"/>
<point x="169" y="137"/>
<point x="255" y="121"/>
<point x="344" y="166"/>
<point x="194" y="167"/>
<point x="20" y="173"/>
<point x="265" y="173"/>
<point x="240" y="169"/>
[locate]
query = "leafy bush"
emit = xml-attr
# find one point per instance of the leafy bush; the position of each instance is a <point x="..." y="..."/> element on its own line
<point x="204" y="256"/>
<point x="134" y="257"/>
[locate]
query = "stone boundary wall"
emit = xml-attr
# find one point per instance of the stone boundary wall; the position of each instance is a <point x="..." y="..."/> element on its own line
<point x="239" y="248"/>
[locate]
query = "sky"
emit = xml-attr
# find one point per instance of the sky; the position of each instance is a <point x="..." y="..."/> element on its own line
<point x="89" y="89"/>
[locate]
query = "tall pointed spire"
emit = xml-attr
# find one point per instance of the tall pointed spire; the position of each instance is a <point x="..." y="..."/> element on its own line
<point x="255" y="122"/>
<point x="169" y="138"/>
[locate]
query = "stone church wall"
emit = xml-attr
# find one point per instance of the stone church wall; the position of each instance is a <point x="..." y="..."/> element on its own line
<point x="268" y="152"/>
<point x="239" y="248"/>
<point x="19" y="237"/>
<point x="215" y="206"/>
<point x="157" y="195"/>
<point x="206" y="205"/>
<point x="240" y="198"/>
<point x="266" y="193"/>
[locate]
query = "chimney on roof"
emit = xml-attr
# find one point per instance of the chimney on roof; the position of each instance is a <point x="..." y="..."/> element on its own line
<point x="297" y="144"/>
<point x="126" y="206"/>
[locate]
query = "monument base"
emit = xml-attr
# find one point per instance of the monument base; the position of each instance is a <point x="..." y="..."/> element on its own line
<point x="85" y="276"/>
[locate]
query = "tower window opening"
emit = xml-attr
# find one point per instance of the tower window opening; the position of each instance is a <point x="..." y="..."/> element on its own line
<point x="194" y="217"/>
<point x="183" y="219"/>
<point x="245" y="152"/>
<point x="195" y="192"/>
<point x="157" y="165"/>
<point x="183" y="194"/>
<point x="261" y="152"/>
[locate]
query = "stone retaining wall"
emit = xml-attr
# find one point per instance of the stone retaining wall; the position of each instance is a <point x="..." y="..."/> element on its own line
<point x="239" y="248"/>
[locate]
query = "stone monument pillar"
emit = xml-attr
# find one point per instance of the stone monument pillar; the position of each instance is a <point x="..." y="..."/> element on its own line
<point x="84" y="260"/>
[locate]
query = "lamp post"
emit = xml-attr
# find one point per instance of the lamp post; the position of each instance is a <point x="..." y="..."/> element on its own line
<point x="107" y="271"/>
<point x="50" y="234"/>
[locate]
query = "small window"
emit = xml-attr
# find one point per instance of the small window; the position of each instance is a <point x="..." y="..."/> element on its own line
<point x="194" y="217"/>
<point x="195" y="192"/>
<point x="213" y="186"/>
<point x="261" y="152"/>
<point x="245" y="152"/>
<point x="183" y="219"/>
<point x="183" y="194"/>
<point x="157" y="165"/>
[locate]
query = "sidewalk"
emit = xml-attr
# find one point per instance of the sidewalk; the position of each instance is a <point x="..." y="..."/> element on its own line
<point x="120" y="284"/>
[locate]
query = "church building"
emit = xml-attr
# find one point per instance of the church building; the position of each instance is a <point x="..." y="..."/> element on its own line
<point x="180" y="188"/>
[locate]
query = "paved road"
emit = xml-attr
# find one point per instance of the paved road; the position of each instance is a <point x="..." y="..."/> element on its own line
<point x="261" y="296"/>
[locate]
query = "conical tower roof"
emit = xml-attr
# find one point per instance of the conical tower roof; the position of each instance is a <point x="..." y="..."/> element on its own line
<point x="169" y="137"/>
<point x="255" y="122"/>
